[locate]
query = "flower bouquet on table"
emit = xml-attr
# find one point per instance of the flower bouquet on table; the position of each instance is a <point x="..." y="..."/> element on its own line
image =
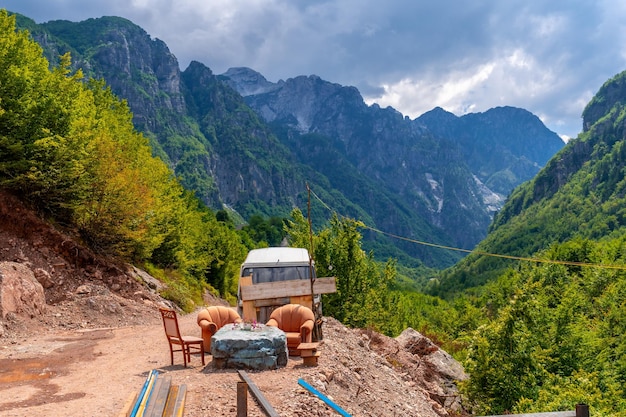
<point x="248" y="325"/>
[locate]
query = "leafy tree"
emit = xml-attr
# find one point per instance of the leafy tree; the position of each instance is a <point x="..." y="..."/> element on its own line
<point x="549" y="331"/>
<point x="363" y="296"/>
<point x="504" y="356"/>
<point x="265" y="232"/>
<point x="70" y="148"/>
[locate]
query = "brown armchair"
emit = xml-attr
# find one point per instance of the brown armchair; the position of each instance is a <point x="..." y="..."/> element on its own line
<point x="297" y="323"/>
<point x="211" y="319"/>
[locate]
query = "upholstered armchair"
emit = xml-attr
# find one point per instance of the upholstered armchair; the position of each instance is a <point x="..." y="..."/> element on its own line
<point x="211" y="319"/>
<point x="297" y="323"/>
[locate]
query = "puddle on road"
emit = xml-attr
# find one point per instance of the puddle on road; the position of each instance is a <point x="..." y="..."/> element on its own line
<point x="16" y="370"/>
<point x="28" y="381"/>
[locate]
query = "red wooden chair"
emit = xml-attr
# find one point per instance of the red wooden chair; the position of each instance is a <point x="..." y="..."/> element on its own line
<point x="186" y="343"/>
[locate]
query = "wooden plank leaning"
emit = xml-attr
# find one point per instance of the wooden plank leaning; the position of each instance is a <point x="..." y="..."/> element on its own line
<point x="256" y="393"/>
<point x="144" y="394"/>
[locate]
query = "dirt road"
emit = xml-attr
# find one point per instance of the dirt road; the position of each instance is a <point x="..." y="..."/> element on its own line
<point x="92" y="373"/>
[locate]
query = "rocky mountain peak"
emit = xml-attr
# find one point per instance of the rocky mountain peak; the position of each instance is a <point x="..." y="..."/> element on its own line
<point x="299" y="100"/>
<point x="148" y="74"/>
<point x="248" y="82"/>
<point x="437" y="115"/>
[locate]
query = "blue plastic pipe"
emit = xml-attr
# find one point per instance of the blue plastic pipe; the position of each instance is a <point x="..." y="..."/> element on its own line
<point x="323" y="398"/>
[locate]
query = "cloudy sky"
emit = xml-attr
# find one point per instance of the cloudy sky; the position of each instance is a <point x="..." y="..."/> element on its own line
<point x="549" y="57"/>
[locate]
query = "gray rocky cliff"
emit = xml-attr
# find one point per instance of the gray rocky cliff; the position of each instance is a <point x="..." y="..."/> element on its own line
<point x="426" y="173"/>
<point x="240" y="141"/>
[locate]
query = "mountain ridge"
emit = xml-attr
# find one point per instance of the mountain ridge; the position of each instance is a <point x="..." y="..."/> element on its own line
<point x="414" y="183"/>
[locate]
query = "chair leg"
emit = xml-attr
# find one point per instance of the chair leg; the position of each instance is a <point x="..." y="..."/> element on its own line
<point x="172" y="354"/>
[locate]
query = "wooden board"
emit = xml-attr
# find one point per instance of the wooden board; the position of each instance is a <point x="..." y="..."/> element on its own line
<point x="311" y="360"/>
<point x="130" y="403"/>
<point x="303" y="300"/>
<point x="160" y="392"/>
<point x="175" y="405"/>
<point x="179" y="408"/>
<point x="308" y="349"/>
<point x="256" y="393"/>
<point x="291" y="288"/>
<point x="140" y="406"/>
<point x="142" y="393"/>
<point x="309" y="345"/>
<point x="269" y="302"/>
<point x="249" y="310"/>
<point x="170" y="404"/>
<point x="245" y="281"/>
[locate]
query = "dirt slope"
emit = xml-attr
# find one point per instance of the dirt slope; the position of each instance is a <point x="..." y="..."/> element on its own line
<point x="100" y="336"/>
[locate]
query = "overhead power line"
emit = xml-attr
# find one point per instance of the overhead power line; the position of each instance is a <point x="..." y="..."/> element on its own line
<point x="475" y="252"/>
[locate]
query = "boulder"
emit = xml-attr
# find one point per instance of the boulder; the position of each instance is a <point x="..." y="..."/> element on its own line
<point x="44" y="278"/>
<point x="154" y="284"/>
<point x="260" y="350"/>
<point x="440" y="372"/>
<point x="20" y="292"/>
<point x="441" y="361"/>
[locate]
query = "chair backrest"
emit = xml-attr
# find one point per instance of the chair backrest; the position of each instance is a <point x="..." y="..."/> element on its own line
<point x="170" y="323"/>
<point x="291" y="316"/>
<point x="221" y="315"/>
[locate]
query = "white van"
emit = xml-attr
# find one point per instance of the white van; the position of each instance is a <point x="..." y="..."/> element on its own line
<point x="273" y="265"/>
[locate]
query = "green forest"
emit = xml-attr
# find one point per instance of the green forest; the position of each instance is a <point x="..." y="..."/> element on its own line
<point x="537" y="334"/>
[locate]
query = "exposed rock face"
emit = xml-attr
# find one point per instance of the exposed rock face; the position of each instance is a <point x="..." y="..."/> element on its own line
<point x="20" y="292"/>
<point x="401" y="165"/>
<point x="441" y="361"/>
<point x="611" y="93"/>
<point x="409" y="178"/>
<point x="247" y="162"/>
<point x="139" y="61"/>
<point x="432" y="369"/>
<point x="503" y="146"/>
<point x="248" y="82"/>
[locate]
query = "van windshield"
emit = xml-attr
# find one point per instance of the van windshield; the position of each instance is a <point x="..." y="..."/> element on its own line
<point x="275" y="274"/>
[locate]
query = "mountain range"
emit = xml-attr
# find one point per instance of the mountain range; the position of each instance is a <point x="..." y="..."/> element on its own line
<point x="578" y="196"/>
<point x="251" y="146"/>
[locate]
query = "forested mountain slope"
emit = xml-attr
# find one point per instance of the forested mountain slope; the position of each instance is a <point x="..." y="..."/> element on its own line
<point x="363" y="161"/>
<point x="540" y="308"/>
<point x="436" y="165"/>
<point x="581" y="193"/>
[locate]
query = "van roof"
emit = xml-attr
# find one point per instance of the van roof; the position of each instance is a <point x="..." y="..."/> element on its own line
<point x="277" y="256"/>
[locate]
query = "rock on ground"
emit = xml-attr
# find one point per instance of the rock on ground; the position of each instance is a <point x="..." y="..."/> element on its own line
<point x="20" y="292"/>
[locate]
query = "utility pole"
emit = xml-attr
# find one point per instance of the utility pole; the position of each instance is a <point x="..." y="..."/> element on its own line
<point x="317" y="326"/>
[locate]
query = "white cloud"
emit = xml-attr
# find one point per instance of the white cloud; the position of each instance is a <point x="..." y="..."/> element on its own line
<point x="464" y="56"/>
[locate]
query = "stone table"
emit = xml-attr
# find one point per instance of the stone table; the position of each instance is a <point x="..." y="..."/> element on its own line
<point x="259" y="349"/>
